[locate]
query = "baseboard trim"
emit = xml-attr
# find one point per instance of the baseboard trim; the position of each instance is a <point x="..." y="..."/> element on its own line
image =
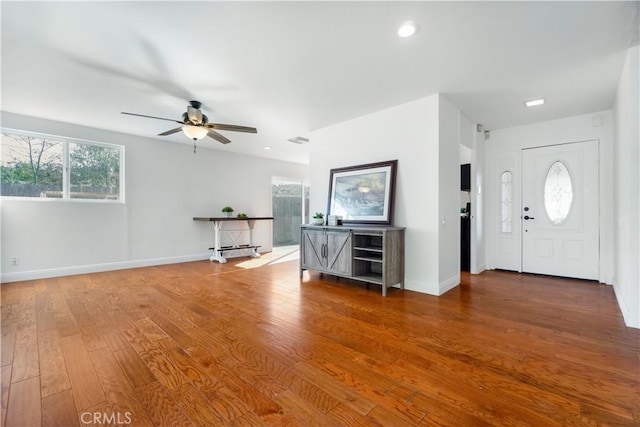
<point x="96" y="268"/>
<point x="449" y="284"/>
<point x="629" y="319"/>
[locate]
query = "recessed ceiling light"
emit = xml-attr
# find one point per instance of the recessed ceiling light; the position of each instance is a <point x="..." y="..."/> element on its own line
<point x="534" y="102"/>
<point x="267" y="147"/>
<point x="407" y="29"/>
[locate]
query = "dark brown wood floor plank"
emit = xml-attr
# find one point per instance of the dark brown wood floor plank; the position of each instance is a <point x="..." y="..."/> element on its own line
<point x="115" y="340"/>
<point x="379" y="389"/>
<point x="150" y="330"/>
<point x="118" y="391"/>
<point x="80" y="314"/>
<point x="8" y="341"/>
<point x="163" y="367"/>
<point x="312" y="394"/>
<point x="26" y="333"/>
<point x="442" y="413"/>
<point x="189" y="367"/>
<point x="260" y="346"/>
<point x="59" y="410"/>
<point x="161" y="407"/>
<point x="93" y="339"/>
<point x="231" y="386"/>
<point x="225" y="402"/>
<point x="249" y="419"/>
<point x="302" y="411"/>
<point x="24" y="407"/>
<point x="168" y="329"/>
<point x="349" y="417"/>
<point x="334" y="387"/>
<point x="26" y="364"/>
<point x="383" y="416"/>
<point x="54" y="377"/>
<point x="67" y="326"/>
<point x="5" y="382"/>
<point x="133" y="367"/>
<point x="45" y="317"/>
<point x="86" y="387"/>
<point x="197" y="408"/>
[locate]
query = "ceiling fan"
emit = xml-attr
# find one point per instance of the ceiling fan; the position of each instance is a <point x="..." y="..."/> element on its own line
<point x="196" y="125"/>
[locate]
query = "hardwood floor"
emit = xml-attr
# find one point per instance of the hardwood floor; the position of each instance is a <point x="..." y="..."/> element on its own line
<point x="206" y="344"/>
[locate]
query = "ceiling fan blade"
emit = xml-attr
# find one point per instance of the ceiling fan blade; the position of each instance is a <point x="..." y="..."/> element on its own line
<point x="195" y="115"/>
<point x="151" y="117"/>
<point x="215" y="135"/>
<point x="170" y="132"/>
<point x="234" y="128"/>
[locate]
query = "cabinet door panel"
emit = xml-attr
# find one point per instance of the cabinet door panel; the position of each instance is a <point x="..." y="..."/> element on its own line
<point x="339" y="257"/>
<point x="312" y="243"/>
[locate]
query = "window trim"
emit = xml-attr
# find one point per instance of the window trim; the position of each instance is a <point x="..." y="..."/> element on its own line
<point x="66" y="181"/>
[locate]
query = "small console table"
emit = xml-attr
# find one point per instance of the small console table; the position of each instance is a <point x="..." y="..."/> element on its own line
<point x="234" y="234"/>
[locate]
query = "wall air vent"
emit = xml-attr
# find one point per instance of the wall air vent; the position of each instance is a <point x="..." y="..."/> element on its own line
<point x="298" y="140"/>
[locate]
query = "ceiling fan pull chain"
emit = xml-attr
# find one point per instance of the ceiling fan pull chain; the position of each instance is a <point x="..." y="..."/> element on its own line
<point x="194" y="146"/>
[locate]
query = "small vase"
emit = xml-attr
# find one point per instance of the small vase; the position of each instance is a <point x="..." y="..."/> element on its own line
<point x="227" y="214"/>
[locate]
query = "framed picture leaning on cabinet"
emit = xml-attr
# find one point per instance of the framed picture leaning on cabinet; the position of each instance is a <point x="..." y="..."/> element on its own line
<point x="363" y="194"/>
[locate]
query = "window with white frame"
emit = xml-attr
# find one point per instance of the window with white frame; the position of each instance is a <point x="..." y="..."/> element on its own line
<point x="42" y="166"/>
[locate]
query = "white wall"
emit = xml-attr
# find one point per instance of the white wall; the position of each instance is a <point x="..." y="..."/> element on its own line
<point x="166" y="185"/>
<point x="449" y="195"/>
<point x="472" y="151"/>
<point x="626" y="281"/>
<point x="477" y="196"/>
<point x="410" y="133"/>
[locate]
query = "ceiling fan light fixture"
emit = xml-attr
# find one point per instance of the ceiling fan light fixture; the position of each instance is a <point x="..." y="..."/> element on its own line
<point x="195" y="132"/>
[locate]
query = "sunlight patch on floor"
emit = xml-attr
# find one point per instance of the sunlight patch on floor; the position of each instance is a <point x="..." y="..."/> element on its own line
<point x="276" y="256"/>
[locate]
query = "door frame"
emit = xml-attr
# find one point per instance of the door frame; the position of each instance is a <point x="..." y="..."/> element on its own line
<point x="540" y="213"/>
<point x="503" y="151"/>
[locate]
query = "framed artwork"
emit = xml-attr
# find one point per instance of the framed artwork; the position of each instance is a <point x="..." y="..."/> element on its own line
<point x="363" y="194"/>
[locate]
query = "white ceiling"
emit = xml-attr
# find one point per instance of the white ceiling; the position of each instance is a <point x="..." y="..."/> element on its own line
<point x="290" y="67"/>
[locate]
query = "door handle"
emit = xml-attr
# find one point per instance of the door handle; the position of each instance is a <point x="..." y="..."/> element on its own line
<point x="526" y="217"/>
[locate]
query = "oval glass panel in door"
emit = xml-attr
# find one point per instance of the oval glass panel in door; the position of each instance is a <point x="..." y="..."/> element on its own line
<point x="558" y="193"/>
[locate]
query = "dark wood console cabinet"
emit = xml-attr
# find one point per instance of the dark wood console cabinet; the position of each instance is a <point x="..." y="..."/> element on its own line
<point x="372" y="254"/>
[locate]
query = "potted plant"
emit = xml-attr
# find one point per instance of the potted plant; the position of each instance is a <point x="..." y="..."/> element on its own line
<point x="242" y="215"/>
<point x="318" y="219"/>
<point x="227" y="211"/>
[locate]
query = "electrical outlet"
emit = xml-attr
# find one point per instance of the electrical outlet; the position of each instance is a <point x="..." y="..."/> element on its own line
<point x="15" y="260"/>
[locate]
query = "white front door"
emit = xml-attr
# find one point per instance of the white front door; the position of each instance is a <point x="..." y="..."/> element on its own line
<point x="559" y="212"/>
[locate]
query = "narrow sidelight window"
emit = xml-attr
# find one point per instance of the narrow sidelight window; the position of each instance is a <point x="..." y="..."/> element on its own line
<point x="506" y="201"/>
